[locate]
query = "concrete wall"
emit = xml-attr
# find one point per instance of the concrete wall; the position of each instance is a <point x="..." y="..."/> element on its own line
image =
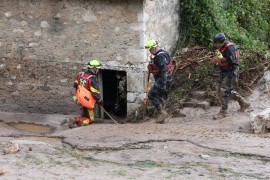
<point x="44" y="44"/>
<point x="162" y="22"/>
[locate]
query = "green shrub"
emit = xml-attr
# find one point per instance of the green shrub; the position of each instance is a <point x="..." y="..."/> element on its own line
<point x="245" y="23"/>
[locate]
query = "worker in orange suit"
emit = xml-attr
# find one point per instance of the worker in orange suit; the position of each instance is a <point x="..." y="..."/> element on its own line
<point x="87" y="79"/>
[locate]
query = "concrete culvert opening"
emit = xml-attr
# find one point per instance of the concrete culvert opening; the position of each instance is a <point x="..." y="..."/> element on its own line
<point x="114" y="87"/>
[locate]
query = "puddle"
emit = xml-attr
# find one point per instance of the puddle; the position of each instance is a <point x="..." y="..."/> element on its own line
<point x="33" y="128"/>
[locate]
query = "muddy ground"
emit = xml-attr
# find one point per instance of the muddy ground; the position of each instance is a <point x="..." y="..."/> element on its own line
<point x="194" y="147"/>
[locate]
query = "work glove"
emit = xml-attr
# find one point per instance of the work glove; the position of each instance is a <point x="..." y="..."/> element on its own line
<point x="219" y="55"/>
<point x="74" y="98"/>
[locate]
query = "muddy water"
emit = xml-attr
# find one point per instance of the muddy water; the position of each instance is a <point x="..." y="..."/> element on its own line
<point x="33" y="128"/>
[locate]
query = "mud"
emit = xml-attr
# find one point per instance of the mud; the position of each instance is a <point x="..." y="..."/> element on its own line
<point x="33" y="128"/>
<point x="194" y="147"/>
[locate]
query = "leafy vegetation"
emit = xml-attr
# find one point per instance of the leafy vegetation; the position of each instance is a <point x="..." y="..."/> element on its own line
<point x="245" y="23"/>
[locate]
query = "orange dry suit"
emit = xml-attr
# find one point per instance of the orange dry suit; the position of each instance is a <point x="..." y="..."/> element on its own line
<point x="88" y="80"/>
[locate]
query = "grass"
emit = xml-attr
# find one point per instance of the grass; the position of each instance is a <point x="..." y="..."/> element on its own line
<point x="120" y="172"/>
<point x="32" y="160"/>
<point x="147" y="164"/>
<point x="73" y="166"/>
<point x="53" y="161"/>
<point x="74" y="153"/>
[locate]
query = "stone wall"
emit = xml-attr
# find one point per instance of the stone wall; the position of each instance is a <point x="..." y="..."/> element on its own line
<point x="162" y="22"/>
<point x="44" y="44"/>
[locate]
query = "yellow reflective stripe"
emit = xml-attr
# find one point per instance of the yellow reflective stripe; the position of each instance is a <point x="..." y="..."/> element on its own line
<point x="85" y="122"/>
<point x="91" y="113"/>
<point x="94" y="90"/>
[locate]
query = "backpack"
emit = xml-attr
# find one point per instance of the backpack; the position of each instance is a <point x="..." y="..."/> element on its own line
<point x="83" y="95"/>
<point x="152" y="68"/>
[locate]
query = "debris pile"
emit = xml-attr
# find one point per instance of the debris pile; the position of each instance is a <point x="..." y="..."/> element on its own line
<point x="187" y="58"/>
<point x="192" y="66"/>
<point x="194" y="86"/>
<point x="191" y="74"/>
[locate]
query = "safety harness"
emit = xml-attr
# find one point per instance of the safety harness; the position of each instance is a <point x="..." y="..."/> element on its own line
<point x="153" y="68"/>
<point x="223" y="62"/>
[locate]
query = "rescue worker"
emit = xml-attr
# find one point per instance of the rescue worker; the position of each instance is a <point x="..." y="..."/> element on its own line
<point x="227" y="59"/>
<point x="87" y="79"/>
<point x="161" y="67"/>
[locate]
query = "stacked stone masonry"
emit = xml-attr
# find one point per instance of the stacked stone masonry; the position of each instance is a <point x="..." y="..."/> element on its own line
<point x="45" y="43"/>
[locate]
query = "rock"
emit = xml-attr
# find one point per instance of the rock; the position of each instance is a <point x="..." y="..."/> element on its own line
<point x="184" y="50"/>
<point x="177" y="113"/>
<point x="261" y="121"/>
<point x="2" y="171"/>
<point x="192" y="103"/>
<point x="197" y="104"/>
<point x="205" y="156"/>
<point x="198" y="94"/>
<point x="204" y="105"/>
<point x="12" y="149"/>
<point x="264" y="83"/>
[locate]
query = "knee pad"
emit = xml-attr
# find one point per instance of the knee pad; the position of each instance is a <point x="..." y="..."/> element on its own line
<point x="83" y="121"/>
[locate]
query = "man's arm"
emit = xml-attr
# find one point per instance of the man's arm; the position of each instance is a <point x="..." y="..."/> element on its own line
<point x="94" y="88"/>
<point x="76" y="82"/>
<point x="231" y="55"/>
<point x="162" y="65"/>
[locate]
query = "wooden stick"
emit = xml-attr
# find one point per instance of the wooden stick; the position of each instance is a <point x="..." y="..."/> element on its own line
<point x="146" y="95"/>
<point x="109" y="115"/>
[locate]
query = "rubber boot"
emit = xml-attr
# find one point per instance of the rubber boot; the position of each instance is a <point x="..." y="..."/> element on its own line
<point x="163" y="103"/>
<point x="162" y="115"/>
<point x="243" y="104"/>
<point x="222" y="114"/>
<point x="72" y="121"/>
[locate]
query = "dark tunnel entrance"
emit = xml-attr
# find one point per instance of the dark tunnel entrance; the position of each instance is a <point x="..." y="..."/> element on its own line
<point x="115" y="92"/>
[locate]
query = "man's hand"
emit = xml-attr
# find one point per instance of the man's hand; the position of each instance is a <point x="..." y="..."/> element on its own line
<point x="100" y="102"/>
<point x="236" y="71"/>
<point x="160" y="86"/>
<point x="235" y="76"/>
<point x="74" y="98"/>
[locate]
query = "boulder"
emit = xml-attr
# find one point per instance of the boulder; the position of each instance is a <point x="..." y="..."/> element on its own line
<point x="264" y="83"/>
<point x="260" y="122"/>
<point x="194" y="103"/>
